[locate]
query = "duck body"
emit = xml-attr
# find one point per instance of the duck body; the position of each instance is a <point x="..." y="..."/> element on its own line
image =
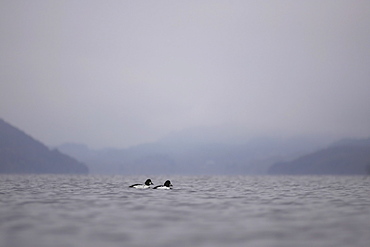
<point x="146" y="185"/>
<point x="167" y="186"/>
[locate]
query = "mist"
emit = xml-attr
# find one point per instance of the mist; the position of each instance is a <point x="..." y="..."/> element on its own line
<point x="122" y="73"/>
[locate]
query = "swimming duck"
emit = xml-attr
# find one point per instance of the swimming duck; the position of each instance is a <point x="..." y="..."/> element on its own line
<point x="146" y="185"/>
<point x="167" y="186"/>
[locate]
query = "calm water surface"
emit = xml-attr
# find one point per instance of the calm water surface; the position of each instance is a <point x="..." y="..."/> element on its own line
<point x="63" y="211"/>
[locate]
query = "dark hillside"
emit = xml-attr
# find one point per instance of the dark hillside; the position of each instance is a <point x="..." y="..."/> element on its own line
<point x="20" y="153"/>
<point x="347" y="157"/>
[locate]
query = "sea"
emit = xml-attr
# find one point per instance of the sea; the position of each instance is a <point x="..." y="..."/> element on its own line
<point x="212" y="211"/>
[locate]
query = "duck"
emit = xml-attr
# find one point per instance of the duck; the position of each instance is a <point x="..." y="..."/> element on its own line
<point x="166" y="186"/>
<point x="146" y="185"/>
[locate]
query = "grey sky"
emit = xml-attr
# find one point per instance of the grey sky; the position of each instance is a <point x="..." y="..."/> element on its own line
<point x="119" y="73"/>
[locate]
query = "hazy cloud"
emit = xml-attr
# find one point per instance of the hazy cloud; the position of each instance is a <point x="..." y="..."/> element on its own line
<point x="118" y="73"/>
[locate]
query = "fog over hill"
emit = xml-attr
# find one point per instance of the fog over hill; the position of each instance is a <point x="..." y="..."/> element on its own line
<point x="192" y="151"/>
<point x="195" y="151"/>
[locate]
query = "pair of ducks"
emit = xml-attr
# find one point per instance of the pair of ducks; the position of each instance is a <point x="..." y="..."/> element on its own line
<point x="167" y="185"/>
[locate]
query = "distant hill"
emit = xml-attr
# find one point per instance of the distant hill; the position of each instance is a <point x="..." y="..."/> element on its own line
<point x="191" y="153"/>
<point x="21" y="154"/>
<point x="346" y="157"/>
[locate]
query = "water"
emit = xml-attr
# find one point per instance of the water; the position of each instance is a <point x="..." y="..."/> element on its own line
<point x="63" y="211"/>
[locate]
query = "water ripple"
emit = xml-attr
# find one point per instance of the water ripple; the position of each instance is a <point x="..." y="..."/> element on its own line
<point x="41" y="210"/>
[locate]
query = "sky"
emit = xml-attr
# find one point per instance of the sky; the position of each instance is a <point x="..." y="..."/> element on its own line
<point x="119" y="73"/>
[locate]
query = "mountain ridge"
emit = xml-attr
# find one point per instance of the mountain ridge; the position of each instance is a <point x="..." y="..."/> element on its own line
<point x="192" y="156"/>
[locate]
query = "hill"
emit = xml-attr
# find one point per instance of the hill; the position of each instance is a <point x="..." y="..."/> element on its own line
<point x="346" y="157"/>
<point x="21" y="154"/>
<point x="193" y="153"/>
